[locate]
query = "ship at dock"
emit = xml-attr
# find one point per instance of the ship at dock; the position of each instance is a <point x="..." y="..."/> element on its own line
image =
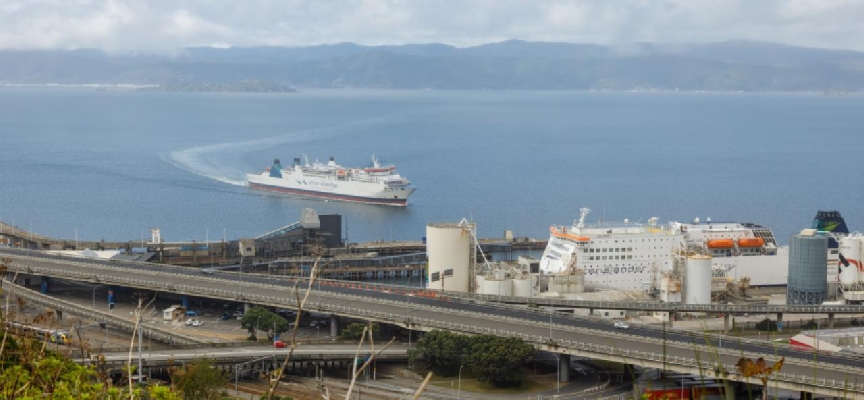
<point x="634" y="256"/>
<point x="378" y="184"/>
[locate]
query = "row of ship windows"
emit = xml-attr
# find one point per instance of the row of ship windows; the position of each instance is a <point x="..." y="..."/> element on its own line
<point x="610" y="250"/>
<point x="637" y="240"/>
<point x="592" y="258"/>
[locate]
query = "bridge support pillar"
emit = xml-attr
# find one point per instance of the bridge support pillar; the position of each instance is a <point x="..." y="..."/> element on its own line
<point x="726" y="324"/>
<point x="564" y="368"/>
<point x="830" y="320"/>
<point x="334" y="326"/>
<point x="46" y="284"/>
<point x="184" y="299"/>
<point x="630" y="372"/>
<point x="246" y="307"/>
<point x="780" y="321"/>
<point x="806" y="396"/>
<point x="671" y="319"/>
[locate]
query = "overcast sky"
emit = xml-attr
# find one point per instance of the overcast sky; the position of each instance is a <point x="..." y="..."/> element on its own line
<point x="164" y="26"/>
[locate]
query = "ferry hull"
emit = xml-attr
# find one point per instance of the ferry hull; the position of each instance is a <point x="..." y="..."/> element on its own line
<point x="398" y="202"/>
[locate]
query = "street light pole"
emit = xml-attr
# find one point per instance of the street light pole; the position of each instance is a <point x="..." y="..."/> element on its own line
<point x="408" y="310"/>
<point x="94" y="295"/>
<point x="557" y="374"/>
<point x="459" y="388"/>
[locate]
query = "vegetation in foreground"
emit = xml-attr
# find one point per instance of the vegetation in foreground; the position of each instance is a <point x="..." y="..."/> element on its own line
<point x="492" y="359"/>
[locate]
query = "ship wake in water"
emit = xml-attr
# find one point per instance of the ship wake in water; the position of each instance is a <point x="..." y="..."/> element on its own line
<point x="223" y="162"/>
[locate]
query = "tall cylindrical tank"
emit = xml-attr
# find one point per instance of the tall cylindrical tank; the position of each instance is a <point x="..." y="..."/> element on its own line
<point x="523" y="287"/>
<point x="697" y="281"/>
<point x="807" y="280"/>
<point x="448" y="249"/>
<point x="850" y="248"/>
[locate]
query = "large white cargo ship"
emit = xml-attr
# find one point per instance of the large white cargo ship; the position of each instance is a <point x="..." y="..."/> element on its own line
<point x="634" y="256"/>
<point x="378" y="184"/>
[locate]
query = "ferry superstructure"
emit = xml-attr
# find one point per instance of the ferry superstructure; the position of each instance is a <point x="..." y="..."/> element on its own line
<point x="634" y="256"/>
<point x="739" y="250"/>
<point x="379" y="184"/>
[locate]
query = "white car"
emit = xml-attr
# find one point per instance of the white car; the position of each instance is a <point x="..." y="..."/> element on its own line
<point x="621" y="325"/>
<point x="194" y="322"/>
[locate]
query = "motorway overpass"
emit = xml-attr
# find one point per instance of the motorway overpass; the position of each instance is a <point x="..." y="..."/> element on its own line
<point x="234" y="355"/>
<point x="564" y="334"/>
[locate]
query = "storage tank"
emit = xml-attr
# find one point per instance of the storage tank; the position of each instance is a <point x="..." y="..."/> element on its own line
<point x="498" y="287"/>
<point x="807" y="282"/>
<point x="523" y="286"/>
<point x="579" y="276"/>
<point x="448" y="247"/>
<point x="670" y="288"/>
<point x="697" y="281"/>
<point x="564" y="283"/>
<point x="850" y="248"/>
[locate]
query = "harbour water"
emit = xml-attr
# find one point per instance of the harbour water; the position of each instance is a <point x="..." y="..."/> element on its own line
<point x="113" y="163"/>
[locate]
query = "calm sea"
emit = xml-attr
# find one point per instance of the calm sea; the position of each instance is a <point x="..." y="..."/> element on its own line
<point x="113" y="163"/>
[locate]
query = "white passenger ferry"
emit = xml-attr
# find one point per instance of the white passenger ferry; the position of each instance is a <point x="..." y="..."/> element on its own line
<point x="373" y="185"/>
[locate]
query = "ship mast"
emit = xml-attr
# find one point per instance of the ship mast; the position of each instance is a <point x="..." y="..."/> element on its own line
<point x="583" y="212"/>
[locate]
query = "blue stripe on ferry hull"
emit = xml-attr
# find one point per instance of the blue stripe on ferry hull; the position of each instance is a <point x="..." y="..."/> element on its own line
<point x="322" y="195"/>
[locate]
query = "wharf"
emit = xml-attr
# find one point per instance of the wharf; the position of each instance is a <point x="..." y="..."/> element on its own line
<point x="370" y="260"/>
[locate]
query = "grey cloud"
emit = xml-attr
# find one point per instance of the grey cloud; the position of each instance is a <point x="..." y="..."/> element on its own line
<point x="165" y="26"/>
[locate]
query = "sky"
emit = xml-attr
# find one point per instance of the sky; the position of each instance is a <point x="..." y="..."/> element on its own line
<point x="165" y="26"/>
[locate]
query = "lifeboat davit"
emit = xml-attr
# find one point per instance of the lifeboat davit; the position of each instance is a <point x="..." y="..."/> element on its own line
<point x="721" y="244"/>
<point x="751" y="242"/>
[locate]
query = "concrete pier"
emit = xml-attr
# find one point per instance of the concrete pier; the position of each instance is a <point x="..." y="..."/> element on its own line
<point x="563" y="368"/>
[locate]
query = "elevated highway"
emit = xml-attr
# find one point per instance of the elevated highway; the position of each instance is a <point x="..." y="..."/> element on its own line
<point x="649" y="347"/>
<point x="228" y="355"/>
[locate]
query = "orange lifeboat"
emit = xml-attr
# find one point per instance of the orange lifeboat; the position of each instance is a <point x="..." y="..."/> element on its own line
<point x="721" y="244"/>
<point x="751" y="242"/>
<point x="565" y="235"/>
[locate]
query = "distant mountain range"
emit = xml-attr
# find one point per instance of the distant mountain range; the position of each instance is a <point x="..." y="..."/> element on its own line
<point x="511" y="65"/>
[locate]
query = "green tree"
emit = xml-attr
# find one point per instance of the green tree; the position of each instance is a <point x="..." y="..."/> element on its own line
<point x="199" y="380"/>
<point x="766" y="325"/>
<point x="498" y="360"/>
<point x="441" y="350"/>
<point x="262" y="318"/>
<point x="354" y="331"/>
<point x="30" y="371"/>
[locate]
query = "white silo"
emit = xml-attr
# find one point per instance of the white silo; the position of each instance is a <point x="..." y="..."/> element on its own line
<point x="448" y="249"/>
<point x="523" y="286"/>
<point x="579" y="275"/>
<point x="479" y="279"/>
<point x="697" y="281"/>
<point x="850" y="248"/>
<point x="498" y="287"/>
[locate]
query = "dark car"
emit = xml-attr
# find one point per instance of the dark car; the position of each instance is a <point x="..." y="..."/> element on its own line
<point x="225" y="316"/>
